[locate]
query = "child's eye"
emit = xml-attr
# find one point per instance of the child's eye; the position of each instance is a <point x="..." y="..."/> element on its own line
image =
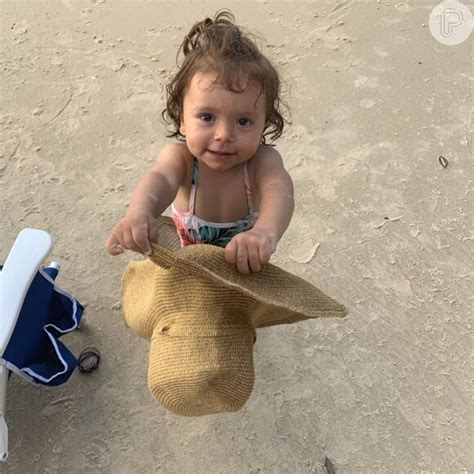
<point x="206" y="117"/>
<point x="244" y="122"/>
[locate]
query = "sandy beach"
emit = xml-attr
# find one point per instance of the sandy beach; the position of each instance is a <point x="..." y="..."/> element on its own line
<point x="379" y="225"/>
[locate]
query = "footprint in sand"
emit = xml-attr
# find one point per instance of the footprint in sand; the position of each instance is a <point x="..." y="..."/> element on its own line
<point x="402" y="7"/>
<point x="367" y="103"/>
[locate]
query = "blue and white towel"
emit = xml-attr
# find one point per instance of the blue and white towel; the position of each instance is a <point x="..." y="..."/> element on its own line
<point x="34" y="351"/>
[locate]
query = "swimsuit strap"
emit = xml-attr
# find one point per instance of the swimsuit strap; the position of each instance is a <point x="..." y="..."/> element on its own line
<point x="192" y="197"/>
<point x="248" y="188"/>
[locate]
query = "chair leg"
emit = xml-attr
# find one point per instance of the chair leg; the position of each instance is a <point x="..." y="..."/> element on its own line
<point x="3" y="424"/>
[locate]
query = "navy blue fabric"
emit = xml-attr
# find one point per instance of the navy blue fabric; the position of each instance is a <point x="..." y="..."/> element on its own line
<point x="34" y="347"/>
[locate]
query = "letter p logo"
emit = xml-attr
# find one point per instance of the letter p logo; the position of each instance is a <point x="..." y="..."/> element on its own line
<point x="450" y="18"/>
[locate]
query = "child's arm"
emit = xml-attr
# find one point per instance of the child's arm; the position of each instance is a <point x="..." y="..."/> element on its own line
<point x="250" y="249"/>
<point x="153" y="194"/>
<point x="276" y="194"/>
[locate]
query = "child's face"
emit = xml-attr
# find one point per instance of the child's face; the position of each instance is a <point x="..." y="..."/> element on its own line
<point x="222" y="128"/>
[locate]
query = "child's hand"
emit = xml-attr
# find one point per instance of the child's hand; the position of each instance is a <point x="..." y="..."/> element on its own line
<point x="251" y="249"/>
<point x="133" y="232"/>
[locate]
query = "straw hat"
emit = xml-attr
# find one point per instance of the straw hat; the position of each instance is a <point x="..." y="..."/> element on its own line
<point x="200" y="315"/>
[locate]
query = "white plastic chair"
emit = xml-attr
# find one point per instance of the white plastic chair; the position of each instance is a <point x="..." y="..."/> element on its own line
<point x="31" y="247"/>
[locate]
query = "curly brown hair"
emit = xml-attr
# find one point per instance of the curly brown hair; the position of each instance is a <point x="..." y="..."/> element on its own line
<point x="220" y="47"/>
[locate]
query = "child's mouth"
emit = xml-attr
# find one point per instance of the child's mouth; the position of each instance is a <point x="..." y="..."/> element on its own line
<point x="221" y="153"/>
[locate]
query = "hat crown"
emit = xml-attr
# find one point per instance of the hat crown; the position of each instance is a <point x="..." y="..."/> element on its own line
<point x="196" y="374"/>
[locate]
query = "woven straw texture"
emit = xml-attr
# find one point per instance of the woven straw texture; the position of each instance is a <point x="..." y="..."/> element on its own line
<point x="200" y="315"/>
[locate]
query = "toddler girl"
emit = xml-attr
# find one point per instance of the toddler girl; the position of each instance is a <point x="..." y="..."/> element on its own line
<point x="226" y="187"/>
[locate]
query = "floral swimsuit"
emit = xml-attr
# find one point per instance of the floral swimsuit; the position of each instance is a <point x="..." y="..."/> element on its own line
<point x="193" y="230"/>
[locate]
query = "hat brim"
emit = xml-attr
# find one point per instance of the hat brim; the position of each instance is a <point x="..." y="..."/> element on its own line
<point x="286" y="297"/>
<point x="167" y="235"/>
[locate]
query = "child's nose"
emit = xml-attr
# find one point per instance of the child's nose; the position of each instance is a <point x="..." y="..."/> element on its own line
<point x="224" y="133"/>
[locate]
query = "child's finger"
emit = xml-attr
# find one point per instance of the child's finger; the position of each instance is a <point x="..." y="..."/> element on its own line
<point x="231" y="252"/>
<point x="264" y="255"/>
<point x="113" y="246"/>
<point x="242" y="259"/>
<point x="116" y="249"/>
<point x="140" y="236"/>
<point x="128" y="243"/>
<point x="254" y="258"/>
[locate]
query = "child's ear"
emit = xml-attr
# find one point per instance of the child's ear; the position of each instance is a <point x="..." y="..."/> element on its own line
<point x="182" y="129"/>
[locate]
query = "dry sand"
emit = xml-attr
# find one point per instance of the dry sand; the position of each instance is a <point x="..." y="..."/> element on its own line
<point x="379" y="225"/>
